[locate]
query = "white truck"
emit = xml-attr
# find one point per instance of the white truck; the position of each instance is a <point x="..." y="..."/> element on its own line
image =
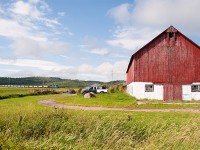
<point x="94" y="89"/>
<point x="101" y="89"/>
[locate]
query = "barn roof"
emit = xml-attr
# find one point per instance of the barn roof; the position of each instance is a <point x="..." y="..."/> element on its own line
<point x="170" y="28"/>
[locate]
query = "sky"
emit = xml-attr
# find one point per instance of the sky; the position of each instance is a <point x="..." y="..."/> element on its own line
<point x="85" y="39"/>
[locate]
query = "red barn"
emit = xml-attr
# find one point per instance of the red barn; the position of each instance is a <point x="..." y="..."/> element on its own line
<point x="167" y="68"/>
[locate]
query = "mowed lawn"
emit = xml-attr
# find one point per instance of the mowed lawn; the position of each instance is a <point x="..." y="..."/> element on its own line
<point x="117" y="99"/>
<point x="122" y="100"/>
<point x="24" y="124"/>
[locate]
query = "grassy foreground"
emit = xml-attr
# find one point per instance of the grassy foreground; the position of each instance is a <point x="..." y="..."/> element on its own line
<point x="24" y="124"/>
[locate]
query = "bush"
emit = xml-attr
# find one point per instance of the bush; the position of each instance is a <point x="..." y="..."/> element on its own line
<point x="120" y="88"/>
<point x="72" y="91"/>
<point x="116" y="88"/>
<point x="111" y="90"/>
<point x="79" y="90"/>
<point x="43" y="92"/>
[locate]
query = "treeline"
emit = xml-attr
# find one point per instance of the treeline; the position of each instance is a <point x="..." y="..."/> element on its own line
<point x="51" y="81"/>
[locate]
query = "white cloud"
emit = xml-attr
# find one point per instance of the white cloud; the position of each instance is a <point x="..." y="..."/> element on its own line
<point x="93" y="45"/>
<point x="158" y="13"/>
<point x="85" y="69"/>
<point x="12" y="29"/>
<point x="38" y="47"/>
<point x="117" y="70"/>
<point x="34" y="1"/>
<point x="64" y="56"/>
<point x="183" y="13"/>
<point x="116" y="55"/>
<point x="132" y="38"/>
<point x="141" y="21"/>
<point x="28" y="26"/>
<point x="26" y="9"/>
<point x="102" y="72"/>
<point x="40" y="64"/>
<point x="99" y="51"/>
<point x="122" y="13"/>
<point x="61" y="14"/>
<point x="105" y="68"/>
<point x="70" y="33"/>
<point x="1" y="10"/>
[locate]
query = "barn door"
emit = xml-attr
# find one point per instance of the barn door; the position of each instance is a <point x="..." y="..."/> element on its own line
<point x="172" y="92"/>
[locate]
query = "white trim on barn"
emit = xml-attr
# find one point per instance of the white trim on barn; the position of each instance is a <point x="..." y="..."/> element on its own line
<point x="187" y="93"/>
<point x="137" y="89"/>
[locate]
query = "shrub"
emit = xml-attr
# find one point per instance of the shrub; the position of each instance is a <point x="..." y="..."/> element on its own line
<point x="71" y="91"/>
<point x="120" y="88"/>
<point x="79" y="90"/>
<point x="44" y="92"/>
<point x="111" y="90"/>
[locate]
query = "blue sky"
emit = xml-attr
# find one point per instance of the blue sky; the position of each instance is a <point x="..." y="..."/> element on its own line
<point x="85" y="39"/>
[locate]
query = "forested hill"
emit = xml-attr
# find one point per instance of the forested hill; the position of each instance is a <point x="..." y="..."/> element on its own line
<point x="50" y="81"/>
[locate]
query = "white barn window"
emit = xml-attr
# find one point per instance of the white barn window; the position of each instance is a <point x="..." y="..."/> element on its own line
<point x="149" y="88"/>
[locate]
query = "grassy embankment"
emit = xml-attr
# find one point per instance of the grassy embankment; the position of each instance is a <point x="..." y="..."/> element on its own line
<point x="24" y="124"/>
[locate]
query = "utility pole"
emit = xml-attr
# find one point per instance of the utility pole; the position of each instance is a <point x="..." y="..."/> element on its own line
<point x="112" y="75"/>
<point x="112" y="78"/>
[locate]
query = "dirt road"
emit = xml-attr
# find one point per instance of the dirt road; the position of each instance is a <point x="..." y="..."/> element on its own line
<point x="52" y="103"/>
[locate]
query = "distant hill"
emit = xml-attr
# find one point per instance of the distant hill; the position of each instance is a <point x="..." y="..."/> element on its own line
<point x="51" y="81"/>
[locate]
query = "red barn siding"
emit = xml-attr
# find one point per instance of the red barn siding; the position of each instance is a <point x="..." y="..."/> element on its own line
<point x="166" y="60"/>
<point x="170" y="59"/>
<point x="130" y="75"/>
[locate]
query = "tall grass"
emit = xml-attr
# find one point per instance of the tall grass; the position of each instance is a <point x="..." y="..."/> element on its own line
<point x="24" y="124"/>
<point x="62" y="129"/>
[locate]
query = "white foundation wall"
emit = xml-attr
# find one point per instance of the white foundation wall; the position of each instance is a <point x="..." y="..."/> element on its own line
<point x="187" y="94"/>
<point x="137" y="89"/>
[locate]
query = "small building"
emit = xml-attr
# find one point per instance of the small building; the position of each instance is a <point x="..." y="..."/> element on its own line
<point x="167" y="68"/>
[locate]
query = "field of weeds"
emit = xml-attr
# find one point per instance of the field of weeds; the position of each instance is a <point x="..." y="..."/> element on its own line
<point x="24" y="124"/>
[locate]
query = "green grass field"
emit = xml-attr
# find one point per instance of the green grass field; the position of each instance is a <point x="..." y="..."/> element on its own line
<point x="11" y="91"/>
<point x="24" y="124"/>
<point x="103" y="100"/>
<point x="119" y="99"/>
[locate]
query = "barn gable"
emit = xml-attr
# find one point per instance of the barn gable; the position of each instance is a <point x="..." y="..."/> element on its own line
<point x="169" y="59"/>
<point x="171" y="28"/>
